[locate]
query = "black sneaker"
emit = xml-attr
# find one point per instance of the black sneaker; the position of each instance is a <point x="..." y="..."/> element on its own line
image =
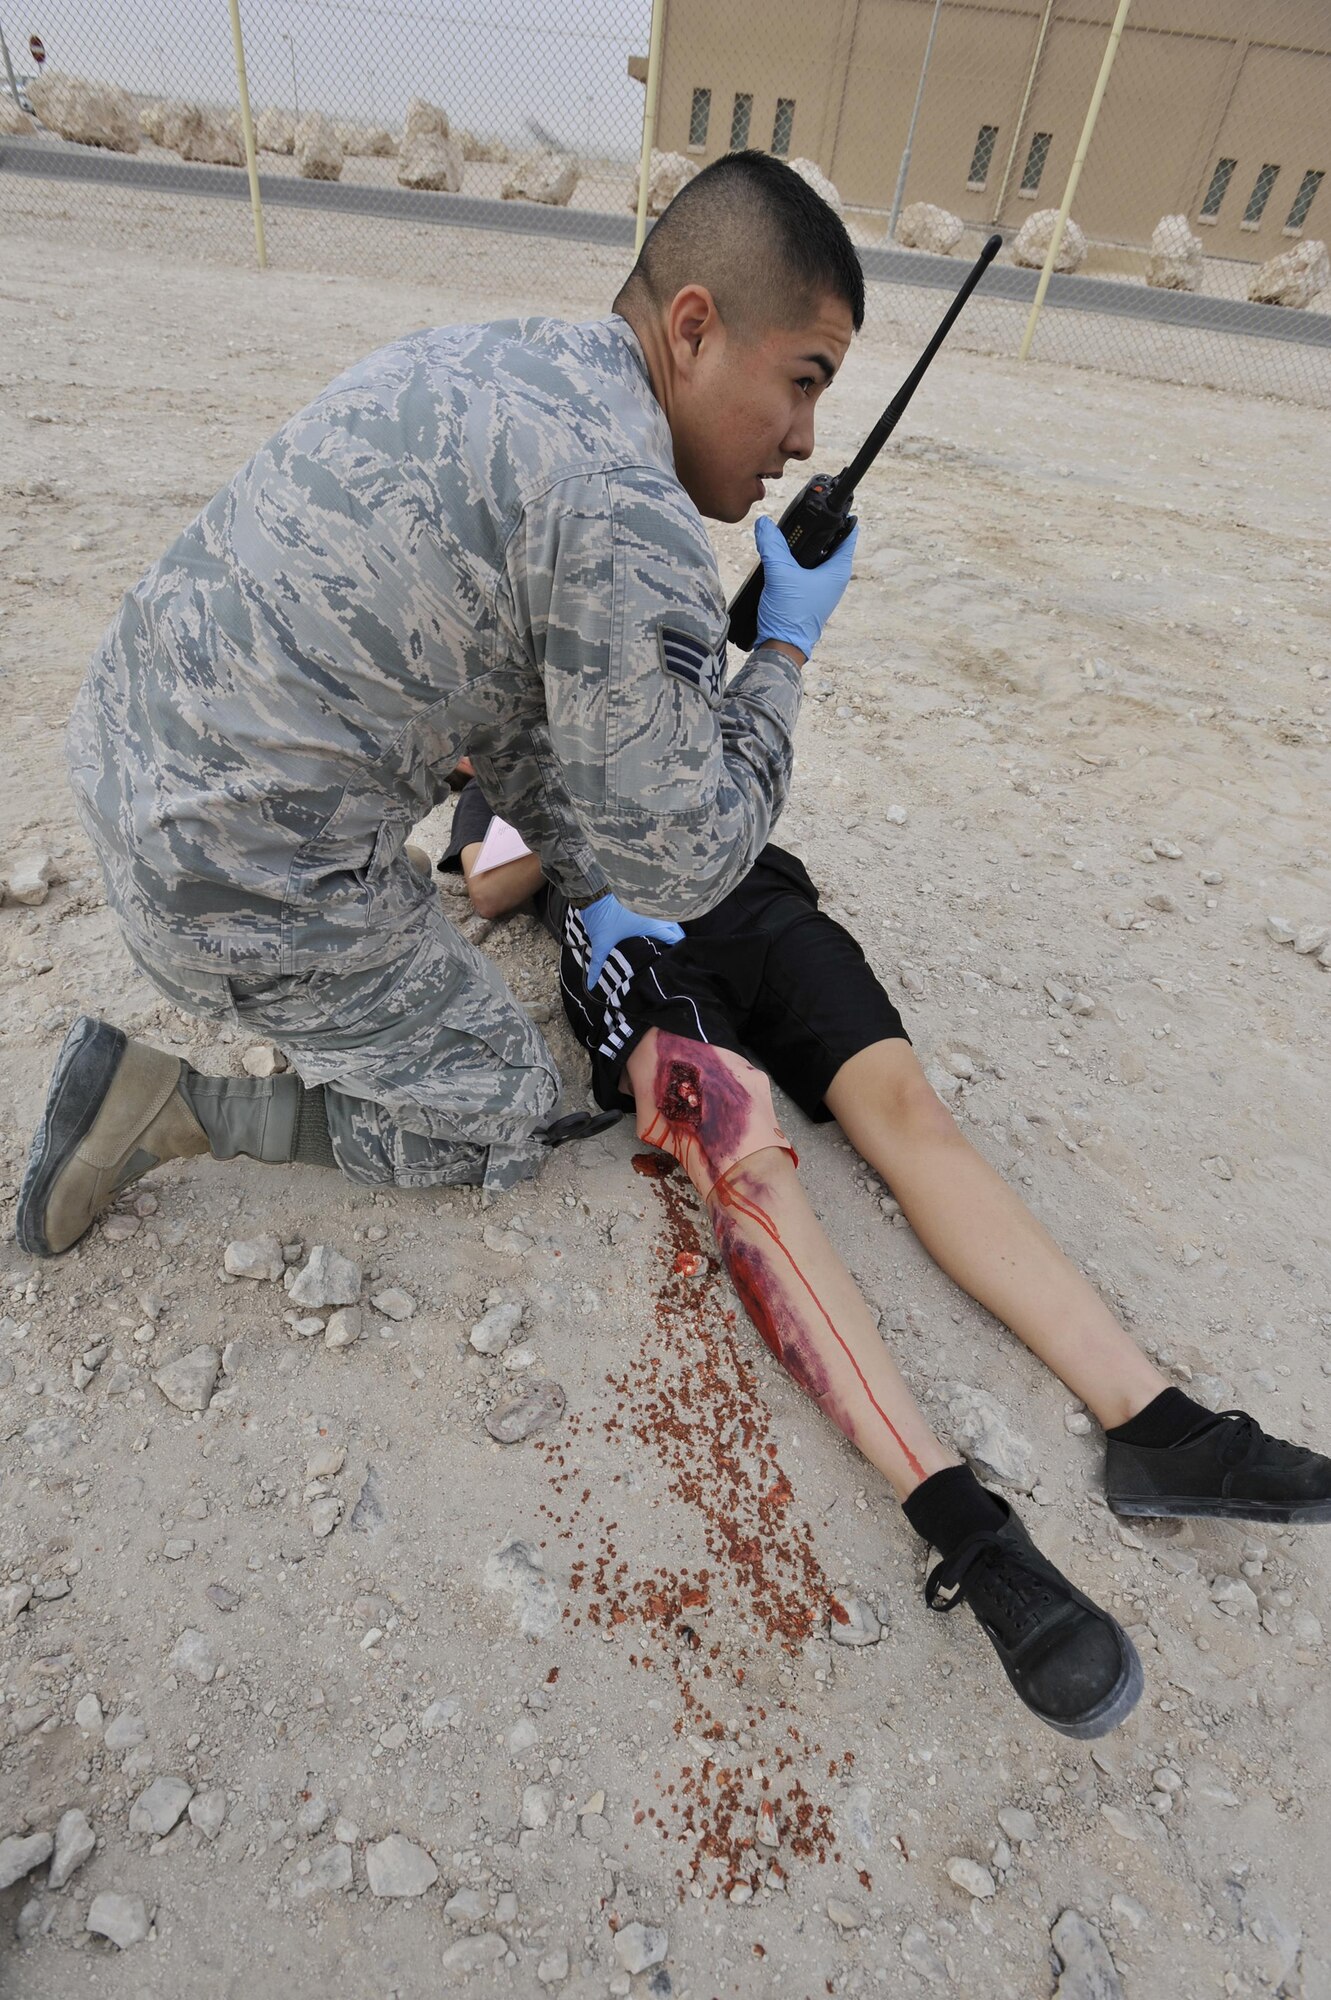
<point x="1070" y="1662"/>
<point x="1231" y="1468"/>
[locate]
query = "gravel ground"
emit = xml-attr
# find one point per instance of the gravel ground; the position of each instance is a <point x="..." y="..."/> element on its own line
<point x="321" y="1686"/>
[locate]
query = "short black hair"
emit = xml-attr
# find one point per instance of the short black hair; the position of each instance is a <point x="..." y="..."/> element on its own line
<point x="754" y="232"/>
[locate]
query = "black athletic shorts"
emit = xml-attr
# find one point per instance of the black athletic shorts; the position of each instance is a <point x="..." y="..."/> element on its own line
<point x="766" y="973"/>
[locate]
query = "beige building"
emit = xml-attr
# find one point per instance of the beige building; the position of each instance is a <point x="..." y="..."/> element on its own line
<point x="1219" y="110"/>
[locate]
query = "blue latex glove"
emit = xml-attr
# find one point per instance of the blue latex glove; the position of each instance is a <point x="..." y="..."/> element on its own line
<point x="607" y="923"/>
<point x="796" y="603"/>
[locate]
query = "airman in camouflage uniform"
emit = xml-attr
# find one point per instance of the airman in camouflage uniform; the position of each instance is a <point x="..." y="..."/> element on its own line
<point x="476" y="543"/>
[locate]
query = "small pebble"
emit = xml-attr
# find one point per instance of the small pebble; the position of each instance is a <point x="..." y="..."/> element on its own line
<point x="970" y="1876"/>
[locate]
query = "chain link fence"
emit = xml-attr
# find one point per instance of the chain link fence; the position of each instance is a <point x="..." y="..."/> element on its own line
<point x="491" y="144"/>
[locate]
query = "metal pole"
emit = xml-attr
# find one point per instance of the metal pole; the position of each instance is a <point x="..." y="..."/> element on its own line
<point x="649" y="119"/>
<point x="1083" y="146"/>
<point x="290" y="41"/>
<point x="247" y="126"/>
<point x="910" y="136"/>
<point x="9" y="71"/>
<point x="1021" y="115"/>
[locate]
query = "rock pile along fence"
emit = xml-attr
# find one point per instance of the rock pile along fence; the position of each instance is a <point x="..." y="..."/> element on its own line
<point x="411" y="140"/>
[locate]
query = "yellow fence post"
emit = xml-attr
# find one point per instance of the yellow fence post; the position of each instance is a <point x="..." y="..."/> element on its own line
<point x="247" y="126"/>
<point x="648" y="119"/>
<point x="1083" y="146"/>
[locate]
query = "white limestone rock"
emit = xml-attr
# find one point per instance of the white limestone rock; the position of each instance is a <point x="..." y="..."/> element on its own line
<point x="639" y="1946"/>
<point x="193" y="1654"/>
<point x="159" y="1805"/>
<point x="538" y="1803"/>
<point x="810" y="171"/>
<point x="921" y="1957"/>
<point x="425" y="121"/>
<point x="395" y="1866"/>
<point x="319" y="154"/>
<point x="275" y="132"/>
<point x="262" y="1059"/>
<point x="857" y="1626"/>
<point x="1031" y="243"/>
<point x="15" y="1597"/>
<point x="74" y="1842"/>
<point x="394" y="1303"/>
<point x="328" y="1279"/>
<point x="970" y="1876"/>
<point x="153" y="117"/>
<point x="343" y="1328"/>
<point x="429" y="157"/>
<point x="327" y="1874"/>
<point x="922" y="225"/>
<point x="1088" y="1973"/>
<point x="125" y="1732"/>
<point x="980" y="1428"/>
<point x="493" y="1331"/>
<point x="20" y="1854"/>
<point x="190" y="1379"/>
<point x="197" y="133"/>
<point x="207" y="1811"/>
<point x="431" y="165"/>
<point x="1294" y="278"/>
<point x="257" y="1257"/>
<point x="1175" y="262"/>
<point x="88" y="1715"/>
<point x="667" y="174"/>
<point x="29" y="880"/>
<point x="91" y="114"/>
<point x="123" y="1919"/>
<point x="545" y="177"/>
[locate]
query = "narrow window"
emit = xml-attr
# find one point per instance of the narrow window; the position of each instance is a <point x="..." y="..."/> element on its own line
<point x="982" y="156"/>
<point x="1215" y="194"/>
<point x="739" y="121"/>
<point x="783" y="127"/>
<point x="698" y="117"/>
<point x="1035" y="159"/>
<point x="1257" y="200"/>
<point x="1303" y="200"/>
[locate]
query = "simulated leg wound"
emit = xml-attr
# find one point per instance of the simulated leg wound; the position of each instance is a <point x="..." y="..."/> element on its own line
<point x="706" y="1106"/>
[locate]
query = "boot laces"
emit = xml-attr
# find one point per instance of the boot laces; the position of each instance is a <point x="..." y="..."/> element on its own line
<point x="1246" y="1439"/>
<point x="1013" y="1596"/>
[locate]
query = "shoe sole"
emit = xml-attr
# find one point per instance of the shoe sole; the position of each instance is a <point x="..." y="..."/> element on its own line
<point x="1114" y="1709"/>
<point x="85" y="1067"/>
<point x="1183" y="1508"/>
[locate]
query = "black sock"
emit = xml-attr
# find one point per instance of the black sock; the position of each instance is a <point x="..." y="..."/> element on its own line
<point x="1168" y="1419"/>
<point x="950" y="1506"/>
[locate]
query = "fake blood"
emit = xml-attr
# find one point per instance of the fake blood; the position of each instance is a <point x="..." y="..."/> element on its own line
<point x="692" y="1401"/>
<point x="705" y="1120"/>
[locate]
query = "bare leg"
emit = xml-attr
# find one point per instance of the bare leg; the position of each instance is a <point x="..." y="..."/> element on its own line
<point x="792" y="1284"/>
<point x="980" y="1232"/>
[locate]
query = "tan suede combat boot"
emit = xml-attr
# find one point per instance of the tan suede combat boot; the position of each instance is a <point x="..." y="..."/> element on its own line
<point x="114" y="1109"/>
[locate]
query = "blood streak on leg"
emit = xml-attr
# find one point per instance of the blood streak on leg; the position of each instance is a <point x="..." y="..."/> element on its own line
<point x="727" y="1196"/>
<point x="703" y="1116"/>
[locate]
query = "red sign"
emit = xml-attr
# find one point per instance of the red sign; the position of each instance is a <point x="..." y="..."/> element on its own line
<point x="37" y="49"/>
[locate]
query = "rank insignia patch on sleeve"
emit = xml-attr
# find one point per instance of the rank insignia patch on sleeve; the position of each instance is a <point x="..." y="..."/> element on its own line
<point x="691" y="659"/>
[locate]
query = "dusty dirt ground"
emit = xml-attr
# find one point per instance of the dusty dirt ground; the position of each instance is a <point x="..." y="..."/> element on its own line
<point x="1088" y="616"/>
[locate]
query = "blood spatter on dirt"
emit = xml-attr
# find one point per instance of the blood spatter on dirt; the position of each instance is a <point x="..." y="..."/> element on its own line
<point x="694" y="1403"/>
